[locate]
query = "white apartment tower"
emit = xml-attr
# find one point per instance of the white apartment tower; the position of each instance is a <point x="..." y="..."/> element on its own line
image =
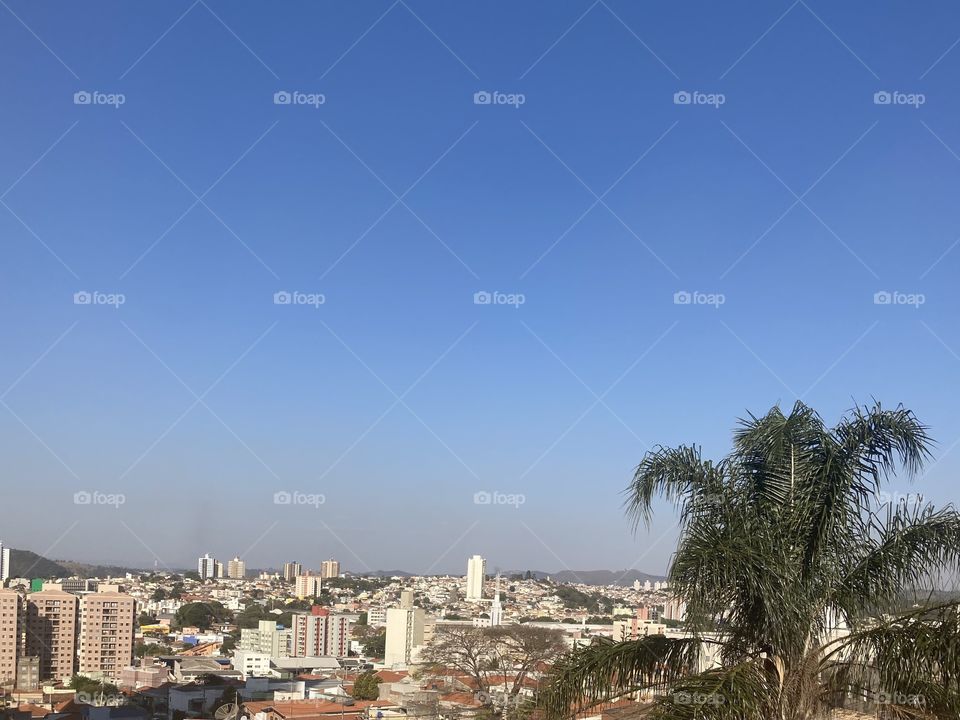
<point x="207" y="567"/>
<point x="4" y="563"/>
<point x="476" y="568"/>
<point x="404" y="632"/>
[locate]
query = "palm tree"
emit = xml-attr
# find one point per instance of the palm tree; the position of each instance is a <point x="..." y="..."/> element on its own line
<point x="803" y="587"/>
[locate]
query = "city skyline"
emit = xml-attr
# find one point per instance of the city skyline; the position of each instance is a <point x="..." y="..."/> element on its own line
<point x="411" y="281"/>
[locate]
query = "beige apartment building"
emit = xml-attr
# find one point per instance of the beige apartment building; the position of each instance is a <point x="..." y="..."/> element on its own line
<point x="106" y="633"/>
<point x="51" y="631"/>
<point x="330" y="569"/>
<point x="9" y="634"/>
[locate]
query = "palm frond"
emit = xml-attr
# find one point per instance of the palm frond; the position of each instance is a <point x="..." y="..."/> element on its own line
<point x="607" y="670"/>
<point x="911" y="659"/>
<point x="908" y="548"/>
<point x="746" y="691"/>
<point x="678" y="474"/>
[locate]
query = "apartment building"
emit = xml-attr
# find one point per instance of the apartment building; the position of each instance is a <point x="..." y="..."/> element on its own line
<point x="330" y="569"/>
<point x="106" y="633"/>
<point x="4" y="563"/>
<point x="476" y="572"/>
<point x="320" y="632"/>
<point x="291" y="570"/>
<point x="405" y="632"/>
<point x="267" y="639"/>
<point x="10" y="610"/>
<point x="307" y="586"/>
<point x="236" y="569"/>
<point x="51" y="631"/>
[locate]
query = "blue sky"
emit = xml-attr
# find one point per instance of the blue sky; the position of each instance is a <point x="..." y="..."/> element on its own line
<point x="783" y="189"/>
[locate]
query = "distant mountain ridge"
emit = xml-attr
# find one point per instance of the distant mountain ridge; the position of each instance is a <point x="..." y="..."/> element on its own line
<point x="25" y="563"/>
<point x="28" y="564"/>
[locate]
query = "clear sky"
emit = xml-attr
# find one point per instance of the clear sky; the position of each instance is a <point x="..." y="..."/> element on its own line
<point x="587" y="193"/>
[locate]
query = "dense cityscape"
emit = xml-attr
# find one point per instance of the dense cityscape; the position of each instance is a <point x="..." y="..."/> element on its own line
<point x="169" y="644"/>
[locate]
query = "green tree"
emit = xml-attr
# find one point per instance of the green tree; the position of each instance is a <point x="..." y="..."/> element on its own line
<point x="784" y="541"/>
<point x="159" y="594"/>
<point x="151" y="649"/>
<point x="201" y="614"/>
<point x="90" y="687"/>
<point x="366" y="686"/>
<point x="374" y="643"/>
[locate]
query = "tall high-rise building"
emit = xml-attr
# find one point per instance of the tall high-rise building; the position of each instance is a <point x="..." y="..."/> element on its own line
<point x="320" y="632"/>
<point x="4" y="564"/>
<point x="218" y="569"/>
<point x="291" y="570"/>
<point x="404" y="631"/>
<point x="307" y="586"/>
<point x="106" y="634"/>
<point x="476" y="568"/>
<point x="207" y="567"/>
<point x="236" y="569"/>
<point x="10" y="612"/>
<point x="51" y="632"/>
<point x="330" y="569"/>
